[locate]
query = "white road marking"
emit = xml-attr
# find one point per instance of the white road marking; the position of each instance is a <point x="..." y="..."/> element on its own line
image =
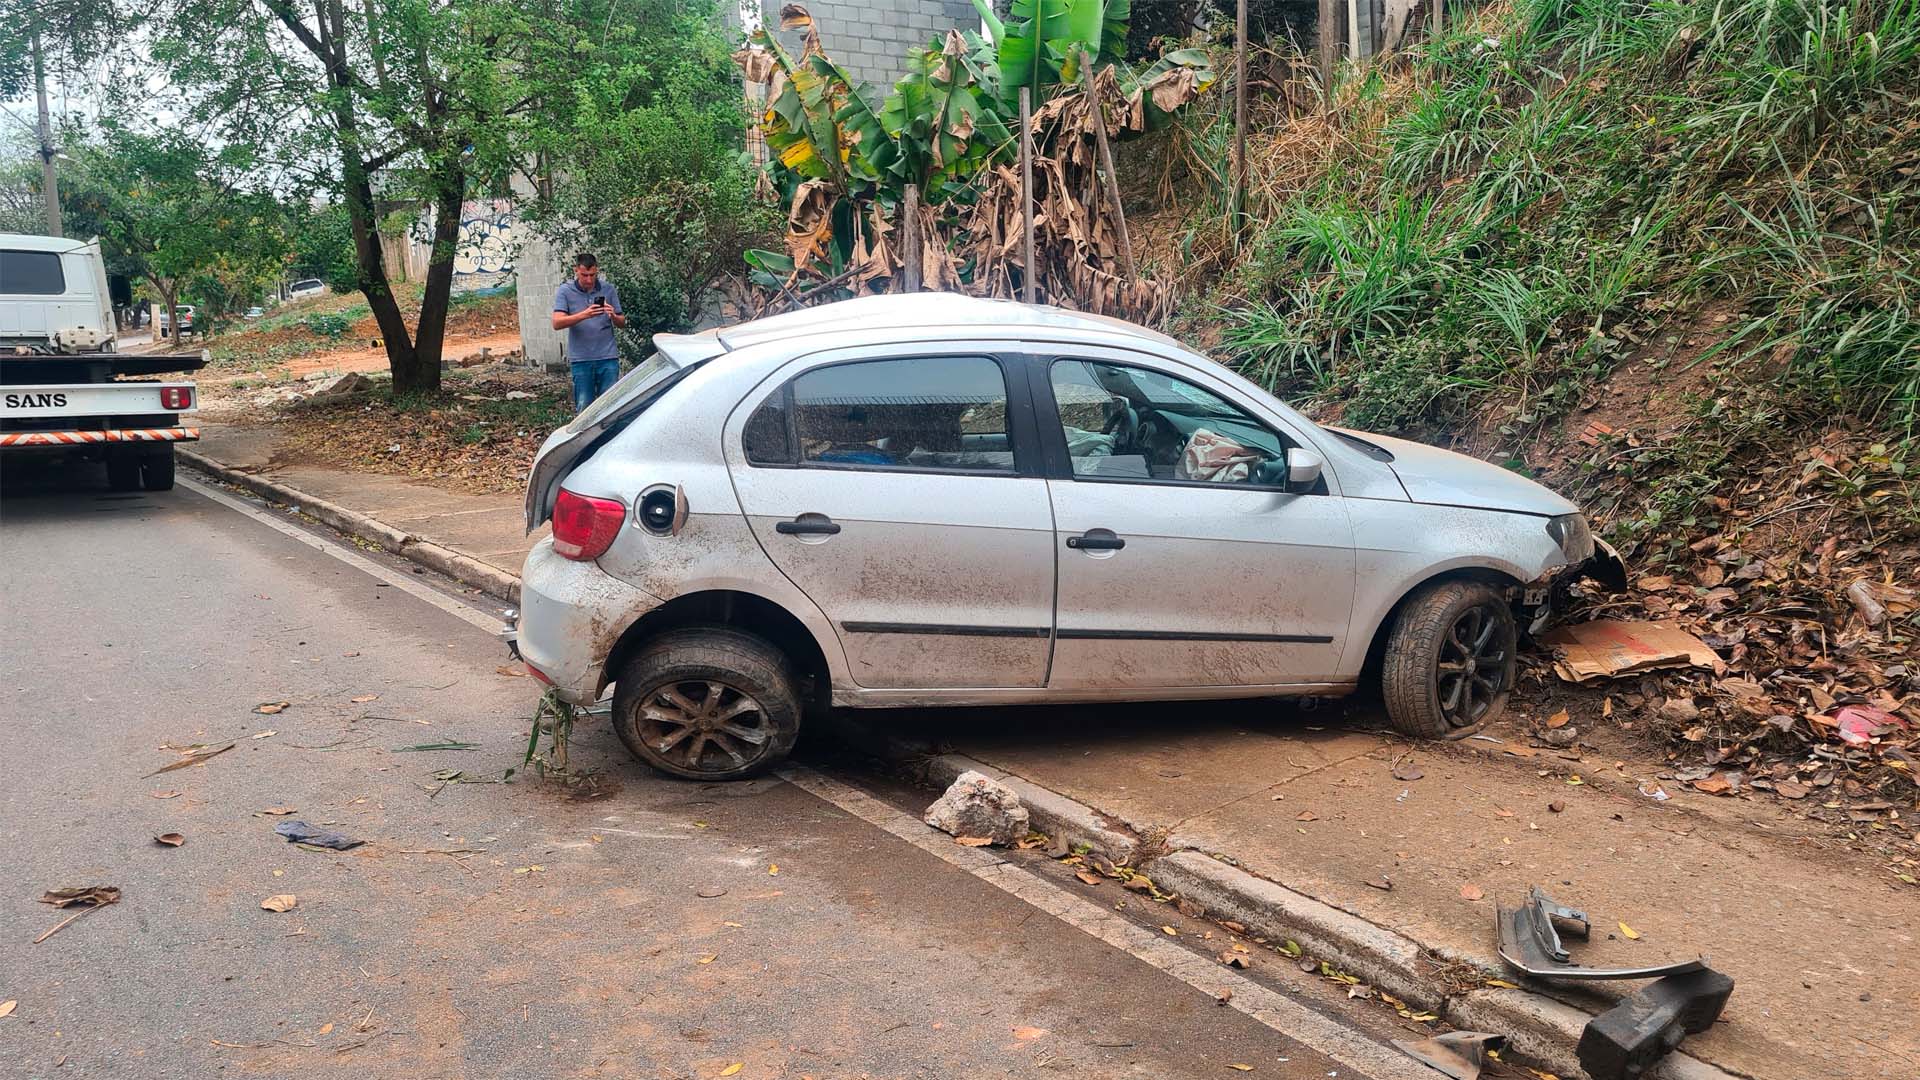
<point x="404" y="582"/>
<point x="1289" y="1018"/>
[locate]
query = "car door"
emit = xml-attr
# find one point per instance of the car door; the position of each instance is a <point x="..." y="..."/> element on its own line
<point x="1184" y="558"/>
<point x="903" y="495"/>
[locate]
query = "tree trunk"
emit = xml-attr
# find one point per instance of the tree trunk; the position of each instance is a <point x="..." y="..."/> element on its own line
<point x="430" y="332"/>
<point x="371" y="264"/>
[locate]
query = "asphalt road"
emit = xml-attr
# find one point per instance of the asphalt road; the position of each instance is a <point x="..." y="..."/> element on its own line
<point x="644" y="927"/>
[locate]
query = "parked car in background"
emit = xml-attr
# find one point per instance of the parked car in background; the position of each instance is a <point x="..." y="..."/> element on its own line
<point x="255" y="312"/>
<point x="162" y="325"/>
<point x="939" y="500"/>
<point x="306" y="287"/>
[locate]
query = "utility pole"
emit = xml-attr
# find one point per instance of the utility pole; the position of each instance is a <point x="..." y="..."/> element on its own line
<point x="49" y="185"/>
<point x="1031" y="271"/>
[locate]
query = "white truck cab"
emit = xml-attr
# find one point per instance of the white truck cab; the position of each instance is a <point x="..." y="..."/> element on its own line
<point x="64" y="387"/>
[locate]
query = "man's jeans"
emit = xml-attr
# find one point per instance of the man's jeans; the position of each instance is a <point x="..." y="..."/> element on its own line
<point x="591" y="378"/>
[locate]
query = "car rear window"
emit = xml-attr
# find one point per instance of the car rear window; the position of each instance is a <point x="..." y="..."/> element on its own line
<point x="31" y="273"/>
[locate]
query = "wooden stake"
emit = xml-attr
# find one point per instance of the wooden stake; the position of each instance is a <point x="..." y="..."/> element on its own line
<point x="1026" y="195"/>
<point x="910" y="239"/>
<point x="1112" y="180"/>
<point x="1353" y="29"/>
<point x="1239" y="113"/>
<point x="1330" y="25"/>
<point x="1439" y="17"/>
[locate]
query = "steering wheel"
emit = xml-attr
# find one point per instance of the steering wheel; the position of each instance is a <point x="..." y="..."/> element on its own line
<point x="1123" y="425"/>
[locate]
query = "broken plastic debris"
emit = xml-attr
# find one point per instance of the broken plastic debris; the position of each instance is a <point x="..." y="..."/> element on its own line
<point x="299" y="832"/>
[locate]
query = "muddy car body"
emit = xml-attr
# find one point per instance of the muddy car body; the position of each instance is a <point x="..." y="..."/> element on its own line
<point x="934" y="500"/>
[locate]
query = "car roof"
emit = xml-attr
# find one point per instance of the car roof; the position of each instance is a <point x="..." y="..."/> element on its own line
<point x="25" y="242"/>
<point x="918" y="311"/>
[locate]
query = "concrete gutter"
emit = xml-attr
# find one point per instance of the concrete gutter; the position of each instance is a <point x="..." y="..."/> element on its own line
<point x="466" y="570"/>
<point x="1543" y="1029"/>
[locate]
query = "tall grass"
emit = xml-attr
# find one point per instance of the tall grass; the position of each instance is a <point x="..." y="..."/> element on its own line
<point x="1538" y="176"/>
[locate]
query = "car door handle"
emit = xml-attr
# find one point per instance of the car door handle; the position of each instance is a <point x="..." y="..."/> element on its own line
<point x="1096" y="540"/>
<point x="808" y="525"/>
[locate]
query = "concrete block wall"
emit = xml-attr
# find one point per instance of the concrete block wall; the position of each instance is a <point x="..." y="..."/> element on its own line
<point x="871" y="38"/>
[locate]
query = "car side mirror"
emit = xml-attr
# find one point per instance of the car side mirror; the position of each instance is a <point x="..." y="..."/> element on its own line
<point x="1303" y="468"/>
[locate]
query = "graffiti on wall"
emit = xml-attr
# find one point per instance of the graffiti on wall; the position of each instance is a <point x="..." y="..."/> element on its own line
<point x="489" y="236"/>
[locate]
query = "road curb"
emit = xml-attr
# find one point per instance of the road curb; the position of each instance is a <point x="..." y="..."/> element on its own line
<point x="469" y="571"/>
<point x="1538" y="1027"/>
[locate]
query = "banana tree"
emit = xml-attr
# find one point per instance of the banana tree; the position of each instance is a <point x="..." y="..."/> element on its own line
<point x="842" y="165"/>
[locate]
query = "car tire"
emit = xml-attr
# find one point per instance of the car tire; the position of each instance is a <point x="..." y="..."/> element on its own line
<point x="123" y="471"/>
<point x="156" y="471"/>
<point x="1450" y="660"/>
<point x="708" y="703"/>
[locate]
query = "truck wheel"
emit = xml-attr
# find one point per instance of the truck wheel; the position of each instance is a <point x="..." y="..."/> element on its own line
<point x="156" y="470"/>
<point x="708" y="703"/>
<point x="123" y="470"/>
<point x="1450" y="660"/>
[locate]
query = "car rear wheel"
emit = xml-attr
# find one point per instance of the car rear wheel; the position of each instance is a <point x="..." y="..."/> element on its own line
<point x="708" y="703"/>
<point x="1450" y="660"/>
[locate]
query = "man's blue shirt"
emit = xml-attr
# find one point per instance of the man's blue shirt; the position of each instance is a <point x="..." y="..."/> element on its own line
<point x="588" y="339"/>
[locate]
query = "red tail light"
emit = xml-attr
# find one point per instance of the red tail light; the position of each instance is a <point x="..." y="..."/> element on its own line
<point x="583" y="526"/>
<point x="177" y="398"/>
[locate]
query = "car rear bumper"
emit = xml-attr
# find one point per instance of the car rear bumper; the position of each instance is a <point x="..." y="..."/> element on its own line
<point x="571" y="615"/>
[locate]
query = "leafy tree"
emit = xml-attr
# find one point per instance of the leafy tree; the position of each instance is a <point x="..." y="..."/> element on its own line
<point x="385" y="101"/>
<point x="323" y="247"/>
<point x="176" y="216"/>
<point x="22" y="210"/>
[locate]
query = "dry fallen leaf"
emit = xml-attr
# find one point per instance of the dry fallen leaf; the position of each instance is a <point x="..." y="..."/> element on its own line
<point x="364" y="698"/>
<point x="1380" y="883"/>
<point x="276" y="811"/>
<point x="281" y="902"/>
<point x="1472" y="892"/>
<point x="1501" y="811"/>
<point x="973" y="841"/>
<point x="165" y="794"/>
<point x="1306" y="815"/>
<point x="1407" y="770"/>
<point x="1236" y="960"/>
<point x="733" y="1068"/>
<point x="1087" y="876"/>
<point x="708" y="959"/>
<point x="1632" y="934"/>
<point x="170" y="839"/>
<point x="7" y="1007"/>
<point x="1558" y="719"/>
<point x="268" y="734"/>
<point x="91" y="896"/>
<point x="511" y="671"/>
<point x="1025" y="1033"/>
<point x="1236" y="1066"/>
<point x="1169" y="931"/>
<point x="268" y="708"/>
<point x="325" y="1028"/>
<point x="773" y="869"/>
<point x="193" y="758"/>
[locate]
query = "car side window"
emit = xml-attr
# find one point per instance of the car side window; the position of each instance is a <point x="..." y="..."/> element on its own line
<point x="932" y="413"/>
<point x="1135" y="423"/>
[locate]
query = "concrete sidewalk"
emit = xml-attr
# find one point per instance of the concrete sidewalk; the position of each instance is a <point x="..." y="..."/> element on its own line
<point x="1816" y="930"/>
<point x="486" y="528"/>
<point x="1819" y="936"/>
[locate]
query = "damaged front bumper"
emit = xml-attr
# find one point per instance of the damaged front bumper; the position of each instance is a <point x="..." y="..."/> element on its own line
<point x="1544" y="594"/>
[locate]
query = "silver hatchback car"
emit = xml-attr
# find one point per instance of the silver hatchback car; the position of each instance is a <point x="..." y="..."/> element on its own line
<point x="940" y="500"/>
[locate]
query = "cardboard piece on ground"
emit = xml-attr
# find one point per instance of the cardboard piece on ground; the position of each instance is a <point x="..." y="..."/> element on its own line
<point x="1607" y="648"/>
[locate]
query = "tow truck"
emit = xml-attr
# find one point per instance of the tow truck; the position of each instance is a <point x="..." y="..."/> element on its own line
<point x="65" y="388"/>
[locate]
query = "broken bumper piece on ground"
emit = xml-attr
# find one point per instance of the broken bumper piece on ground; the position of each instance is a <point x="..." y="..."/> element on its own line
<point x="1530" y="942"/>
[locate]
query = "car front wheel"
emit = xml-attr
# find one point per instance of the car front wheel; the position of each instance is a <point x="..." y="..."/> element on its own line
<point x="708" y="703"/>
<point x="1450" y="660"/>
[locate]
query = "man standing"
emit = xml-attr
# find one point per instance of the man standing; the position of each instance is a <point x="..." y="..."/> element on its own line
<point x="588" y="309"/>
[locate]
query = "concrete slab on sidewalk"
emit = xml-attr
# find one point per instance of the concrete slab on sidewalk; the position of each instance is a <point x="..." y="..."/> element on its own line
<point x="487" y="528"/>
<point x="1818" y="940"/>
